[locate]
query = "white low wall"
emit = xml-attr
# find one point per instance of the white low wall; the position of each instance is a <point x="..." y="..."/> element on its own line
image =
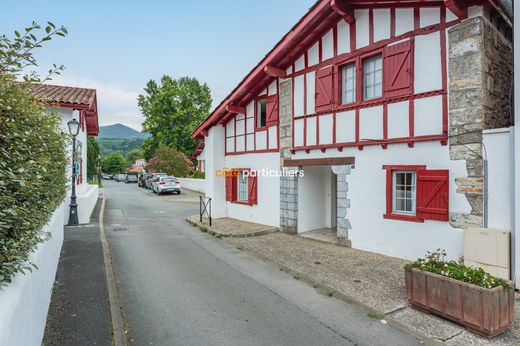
<point x="24" y="303"/>
<point x="198" y="185"/>
<point x="86" y="203"/>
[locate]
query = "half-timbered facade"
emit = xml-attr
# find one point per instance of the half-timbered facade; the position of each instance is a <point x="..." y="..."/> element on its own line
<point x="382" y="106"/>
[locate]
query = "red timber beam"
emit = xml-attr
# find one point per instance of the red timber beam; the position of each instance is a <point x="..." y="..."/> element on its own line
<point x="458" y="7"/>
<point x="344" y="10"/>
<point x="235" y="109"/>
<point x="275" y="72"/>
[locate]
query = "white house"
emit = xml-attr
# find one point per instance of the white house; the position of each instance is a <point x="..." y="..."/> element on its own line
<point x="80" y="104"/>
<point x="396" y="113"/>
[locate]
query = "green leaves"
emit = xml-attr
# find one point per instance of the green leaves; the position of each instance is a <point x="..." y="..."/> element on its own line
<point x="113" y="163"/>
<point x="32" y="175"/>
<point x="16" y="54"/>
<point x="172" y="109"/>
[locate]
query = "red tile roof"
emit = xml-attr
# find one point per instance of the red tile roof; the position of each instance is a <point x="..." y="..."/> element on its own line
<point x="64" y="94"/>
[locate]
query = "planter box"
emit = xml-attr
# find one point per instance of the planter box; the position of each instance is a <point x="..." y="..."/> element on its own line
<point x="487" y="312"/>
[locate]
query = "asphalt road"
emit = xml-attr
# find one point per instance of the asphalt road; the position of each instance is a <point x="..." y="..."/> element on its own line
<point x="179" y="286"/>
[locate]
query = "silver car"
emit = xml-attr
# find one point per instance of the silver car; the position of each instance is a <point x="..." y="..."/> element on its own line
<point x="166" y="185"/>
<point x="152" y="178"/>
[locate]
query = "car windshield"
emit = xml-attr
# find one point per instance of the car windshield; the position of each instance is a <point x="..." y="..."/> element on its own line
<point x="168" y="180"/>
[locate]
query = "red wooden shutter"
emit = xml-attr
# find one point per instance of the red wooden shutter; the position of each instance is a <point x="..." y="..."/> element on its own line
<point x="324" y="97"/>
<point x="397" y="69"/>
<point x="272" y="110"/>
<point x="229" y="188"/>
<point x="433" y="194"/>
<point x="253" y="190"/>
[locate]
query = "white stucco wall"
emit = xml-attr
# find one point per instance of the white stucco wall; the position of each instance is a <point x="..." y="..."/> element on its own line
<point x="367" y="194"/>
<point x="516" y="172"/>
<point x="214" y="155"/>
<point x="315" y="199"/>
<point x="198" y="185"/>
<point x="267" y="211"/>
<point x="498" y="152"/>
<point x="25" y="301"/>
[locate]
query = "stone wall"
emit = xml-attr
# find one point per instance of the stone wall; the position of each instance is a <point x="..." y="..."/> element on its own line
<point x="288" y="185"/>
<point x="480" y="67"/>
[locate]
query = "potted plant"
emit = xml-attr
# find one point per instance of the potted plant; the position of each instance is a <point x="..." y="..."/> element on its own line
<point x="465" y="295"/>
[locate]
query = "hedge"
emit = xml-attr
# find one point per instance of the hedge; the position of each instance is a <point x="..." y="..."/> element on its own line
<point x="32" y="175"/>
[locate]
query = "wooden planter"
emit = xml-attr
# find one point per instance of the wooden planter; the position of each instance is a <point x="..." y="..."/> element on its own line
<point x="487" y="312"/>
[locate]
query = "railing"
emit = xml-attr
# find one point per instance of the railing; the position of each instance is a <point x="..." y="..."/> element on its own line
<point x="205" y="208"/>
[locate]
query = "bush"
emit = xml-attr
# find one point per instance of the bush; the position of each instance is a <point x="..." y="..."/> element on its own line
<point x="171" y="162"/>
<point x="199" y="175"/>
<point x="32" y="175"/>
<point x="113" y="163"/>
<point x="434" y="262"/>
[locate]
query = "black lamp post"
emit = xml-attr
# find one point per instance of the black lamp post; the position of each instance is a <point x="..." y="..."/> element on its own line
<point x="73" y="211"/>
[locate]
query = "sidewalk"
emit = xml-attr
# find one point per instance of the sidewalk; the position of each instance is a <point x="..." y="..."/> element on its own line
<point x="79" y="313"/>
<point x="372" y="281"/>
<point x="233" y="228"/>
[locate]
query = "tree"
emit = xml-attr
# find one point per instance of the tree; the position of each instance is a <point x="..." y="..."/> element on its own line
<point x="133" y="156"/>
<point x="92" y="157"/>
<point x="172" y="109"/>
<point x="171" y="162"/>
<point x="113" y="163"/>
<point x="33" y="158"/>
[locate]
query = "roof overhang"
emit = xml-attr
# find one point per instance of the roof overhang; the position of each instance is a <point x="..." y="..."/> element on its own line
<point x="315" y="23"/>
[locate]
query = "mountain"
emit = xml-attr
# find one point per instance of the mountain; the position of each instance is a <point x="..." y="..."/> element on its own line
<point x="120" y="131"/>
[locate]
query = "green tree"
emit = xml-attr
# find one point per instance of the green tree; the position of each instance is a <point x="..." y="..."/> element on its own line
<point x="172" y="109"/>
<point x="92" y="157"/>
<point x="113" y="163"/>
<point x="134" y="155"/>
<point x="171" y="162"/>
<point x="33" y="158"/>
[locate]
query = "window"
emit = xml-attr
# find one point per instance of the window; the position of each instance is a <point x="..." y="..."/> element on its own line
<point x="242" y="187"/>
<point x="414" y="193"/>
<point x="348" y="83"/>
<point x="373" y="77"/>
<point x="261" y="113"/>
<point x="404" y="201"/>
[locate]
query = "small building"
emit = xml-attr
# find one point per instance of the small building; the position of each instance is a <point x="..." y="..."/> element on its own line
<point x="387" y="123"/>
<point x="80" y="104"/>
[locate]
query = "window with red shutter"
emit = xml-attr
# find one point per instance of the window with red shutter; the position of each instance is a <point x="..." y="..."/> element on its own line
<point x="433" y="194"/>
<point x="324" y="97"/>
<point x="414" y="193"/>
<point x="253" y="190"/>
<point x="397" y="69"/>
<point x="272" y="110"/>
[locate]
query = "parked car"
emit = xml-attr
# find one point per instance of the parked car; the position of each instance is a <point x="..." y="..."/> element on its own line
<point x="130" y="179"/>
<point x="142" y="179"/>
<point x="152" y="178"/>
<point x="120" y="177"/>
<point x="105" y="176"/>
<point x="166" y="184"/>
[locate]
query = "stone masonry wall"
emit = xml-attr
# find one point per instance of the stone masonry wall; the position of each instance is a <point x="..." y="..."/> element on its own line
<point x="480" y="67"/>
<point x="288" y="185"/>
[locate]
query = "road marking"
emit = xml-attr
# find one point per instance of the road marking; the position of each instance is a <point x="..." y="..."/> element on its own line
<point x="115" y="311"/>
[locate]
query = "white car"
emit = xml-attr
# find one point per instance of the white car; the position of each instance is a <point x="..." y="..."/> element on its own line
<point x="166" y="184"/>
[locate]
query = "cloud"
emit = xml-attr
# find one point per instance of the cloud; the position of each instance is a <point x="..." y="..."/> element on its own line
<point x="115" y="104"/>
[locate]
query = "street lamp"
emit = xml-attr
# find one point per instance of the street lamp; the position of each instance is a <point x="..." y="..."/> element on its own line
<point x="73" y="211"/>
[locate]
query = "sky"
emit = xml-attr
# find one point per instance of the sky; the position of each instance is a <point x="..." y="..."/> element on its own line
<point x="117" y="46"/>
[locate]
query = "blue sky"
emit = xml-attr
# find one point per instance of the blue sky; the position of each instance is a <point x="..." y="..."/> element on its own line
<point x="117" y="46"/>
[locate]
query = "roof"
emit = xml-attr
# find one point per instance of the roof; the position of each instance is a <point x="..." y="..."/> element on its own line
<point x="314" y="24"/>
<point x="64" y="94"/>
<point x="82" y="99"/>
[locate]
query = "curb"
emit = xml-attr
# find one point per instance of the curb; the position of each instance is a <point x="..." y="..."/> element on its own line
<point x="214" y="232"/>
<point x="115" y="312"/>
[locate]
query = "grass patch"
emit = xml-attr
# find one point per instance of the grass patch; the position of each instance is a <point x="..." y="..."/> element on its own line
<point x="374" y="315"/>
